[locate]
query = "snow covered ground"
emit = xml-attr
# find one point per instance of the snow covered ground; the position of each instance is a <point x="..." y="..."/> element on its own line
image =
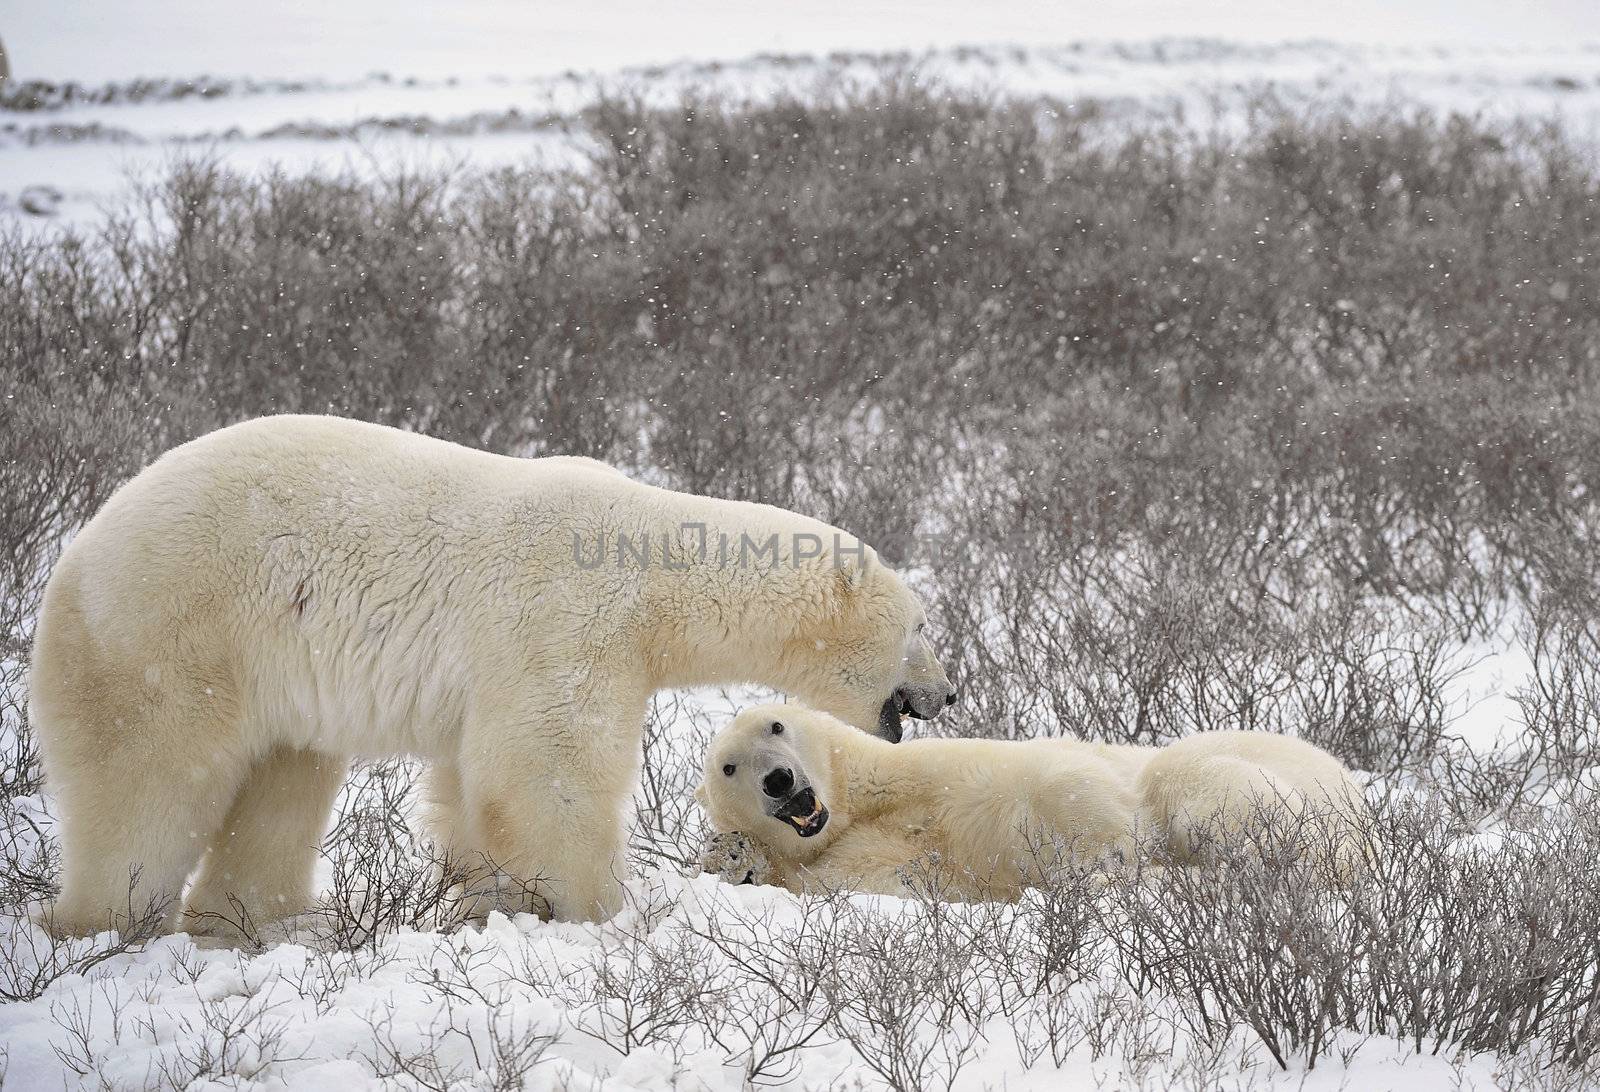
<point x="472" y="1009"/>
<point x="676" y="992"/>
<point x="99" y="40"/>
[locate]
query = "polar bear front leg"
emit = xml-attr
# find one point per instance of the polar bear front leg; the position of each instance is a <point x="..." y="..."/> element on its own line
<point x="867" y="860"/>
<point x="544" y="795"/>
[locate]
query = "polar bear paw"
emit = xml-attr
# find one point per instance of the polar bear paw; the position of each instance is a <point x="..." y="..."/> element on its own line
<point x="735" y="858"/>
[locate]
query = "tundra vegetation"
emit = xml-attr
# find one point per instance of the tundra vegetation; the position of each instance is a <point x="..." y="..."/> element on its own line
<point x="1277" y="425"/>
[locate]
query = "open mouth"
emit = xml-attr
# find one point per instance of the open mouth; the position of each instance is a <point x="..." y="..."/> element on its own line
<point x="889" y="714"/>
<point x="889" y="721"/>
<point x="804" y="812"/>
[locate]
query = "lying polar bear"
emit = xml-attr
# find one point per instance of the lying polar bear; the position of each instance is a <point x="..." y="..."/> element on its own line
<point x="803" y="801"/>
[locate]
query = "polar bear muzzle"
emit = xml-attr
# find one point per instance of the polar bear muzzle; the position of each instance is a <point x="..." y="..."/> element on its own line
<point x="804" y="812"/>
<point x="921" y="689"/>
<point x="919" y="703"/>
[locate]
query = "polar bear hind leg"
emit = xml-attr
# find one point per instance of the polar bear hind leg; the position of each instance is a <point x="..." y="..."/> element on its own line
<point x="143" y="775"/>
<point x="1232" y="803"/>
<point x="1219" y="798"/>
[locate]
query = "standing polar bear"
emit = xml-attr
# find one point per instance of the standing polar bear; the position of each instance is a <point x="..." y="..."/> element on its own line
<point x="804" y="802"/>
<point x="265" y="602"/>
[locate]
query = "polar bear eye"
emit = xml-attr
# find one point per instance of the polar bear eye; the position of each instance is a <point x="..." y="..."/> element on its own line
<point x="777" y="727"/>
<point x="729" y="768"/>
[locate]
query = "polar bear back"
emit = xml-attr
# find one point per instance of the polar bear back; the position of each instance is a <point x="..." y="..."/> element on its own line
<point x="334" y="571"/>
<point x="344" y="584"/>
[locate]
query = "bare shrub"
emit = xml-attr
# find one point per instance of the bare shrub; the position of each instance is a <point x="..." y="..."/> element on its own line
<point x="775" y="975"/>
<point x="1031" y="958"/>
<point x="30" y="859"/>
<point x="1371" y="687"/>
<point x="1560" y="704"/>
<point x="1254" y="939"/>
<point x="1140" y="647"/>
<point x="1488" y="946"/>
<point x="230" y="1038"/>
<point x="326" y="972"/>
<point x="33" y="957"/>
<point x="1444" y="943"/>
<point x="668" y="825"/>
<point x="385" y="874"/>
<point x="501" y="1066"/>
<point x="906" y="993"/>
<point x="1557" y="743"/>
<point x="473" y="1034"/>
<point x="640" y="989"/>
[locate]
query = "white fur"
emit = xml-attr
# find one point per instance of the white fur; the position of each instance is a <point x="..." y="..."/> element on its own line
<point x="262" y="604"/>
<point x="981" y="810"/>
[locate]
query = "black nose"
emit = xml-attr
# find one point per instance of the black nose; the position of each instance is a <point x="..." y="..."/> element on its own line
<point x="778" y="782"/>
<point x="950" y="698"/>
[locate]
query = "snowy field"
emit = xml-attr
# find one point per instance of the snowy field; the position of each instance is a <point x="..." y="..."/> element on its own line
<point x="700" y="985"/>
<point x="75" y="147"/>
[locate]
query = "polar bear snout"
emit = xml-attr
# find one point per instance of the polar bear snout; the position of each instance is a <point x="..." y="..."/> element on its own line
<point x="796" y="805"/>
<point x="779" y="782"/>
<point x="921" y="692"/>
<point x="923" y="702"/>
<point x="916" y="702"/>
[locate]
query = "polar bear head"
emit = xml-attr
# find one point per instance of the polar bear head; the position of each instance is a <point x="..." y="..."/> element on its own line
<point x="863" y="655"/>
<point x="771" y="774"/>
